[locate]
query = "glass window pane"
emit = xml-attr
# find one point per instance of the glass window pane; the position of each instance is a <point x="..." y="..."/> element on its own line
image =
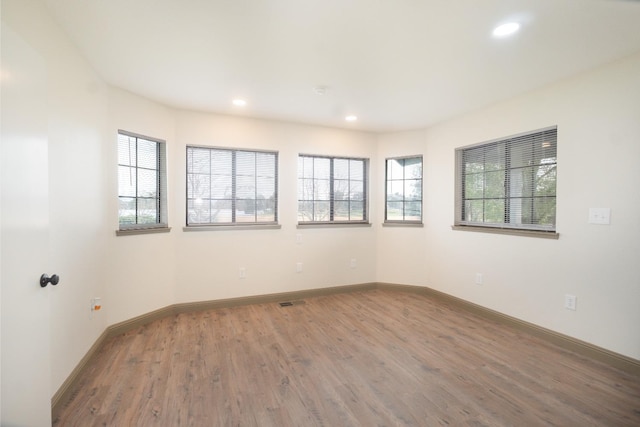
<point x="413" y="168"/>
<point x="266" y="210"/>
<point x="546" y="180"/>
<point x="341" y="211"/>
<point x="245" y="187"/>
<point x="147" y="154"/>
<point x="221" y="187"/>
<point x="357" y="211"/>
<point x="356" y="190"/>
<point x="413" y="211"/>
<point x="245" y="163"/>
<point x="245" y="210"/>
<point x="395" y="211"/>
<point x="198" y="186"/>
<point x="494" y="184"/>
<point x="494" y="211"/>
<point x="322" y="168"/>
<point x="127" y="210"/>
<point x="474" y="186"/>
<point x="198" y="211"/>
<point x="305" y="167"/>
<point x="127" y="150"/>
<point x="474" y="210"/>
<point x="413" y="189"/>
<point x="147" y="211"/>
<point x="544" y="209"/>
<point x="305" y="211"/>
<point x="494" y="157"/>
<point x="265" y="188"/>
<point x="222" y="162"/>
<point x="305" y="189"/>
<point x="265" y="165"/>
<point x="147" y="183"/>
<point x="199" y="160"/>
<point x="356" y="169"/>
<point x="321" y="211"/>
<point x="221" y="211"/>
<point x="395" y="190"/>
<point x="341" y="169"/>
<point x="395" y="169"/>
<point x="322" y="190"/>
<point x="341" y="189"/>
<point x="127" y="181"/>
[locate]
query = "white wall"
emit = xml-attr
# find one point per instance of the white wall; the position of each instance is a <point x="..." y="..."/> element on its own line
<point x="147" y="272"/>
<point x="598" y="150"/>
<point x="142" y="268"/>
<point x="209" y="261"/>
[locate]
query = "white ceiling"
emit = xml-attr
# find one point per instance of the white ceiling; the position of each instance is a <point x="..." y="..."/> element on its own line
<point x="396" y="64"/>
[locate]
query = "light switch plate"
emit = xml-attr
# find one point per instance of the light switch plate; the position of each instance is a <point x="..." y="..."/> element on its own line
<point x="600" y="216"/>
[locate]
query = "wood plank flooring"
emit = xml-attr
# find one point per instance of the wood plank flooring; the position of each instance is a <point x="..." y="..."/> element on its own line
<point x="372" y="358"/>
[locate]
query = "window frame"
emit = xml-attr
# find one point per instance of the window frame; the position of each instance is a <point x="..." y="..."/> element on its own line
<point x="234" y="224"/>
<point x="411" y="222"/>
<point x="365" y="192"/>
<point x="162" y="222"/>
<point x="514" y="228"/>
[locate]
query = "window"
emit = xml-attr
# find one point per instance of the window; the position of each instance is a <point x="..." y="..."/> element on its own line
<point x="230" y="187"/>
<point x="508" y="183"/>
<point x="403" y="197"/>
<point x="142" y="182"/>
<point x="332" y="189"/>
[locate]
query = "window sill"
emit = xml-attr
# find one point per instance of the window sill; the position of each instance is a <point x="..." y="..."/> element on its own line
<point x="509" y="231"/>
<point x="332" y="224"/>
<point x="228" y="227"/>
<point x="402" y="224"/>
<point x="135" y="231"/>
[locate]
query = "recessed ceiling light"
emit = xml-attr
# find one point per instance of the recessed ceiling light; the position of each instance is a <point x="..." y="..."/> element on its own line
<point x="506" y="29"/>
<point x="320" y="90"/>
<point x="239" y="102"/>
<point x="351" y="118"/>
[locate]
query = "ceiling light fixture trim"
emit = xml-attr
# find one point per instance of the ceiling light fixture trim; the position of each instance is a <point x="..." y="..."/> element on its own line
<point x="505" y="30"/>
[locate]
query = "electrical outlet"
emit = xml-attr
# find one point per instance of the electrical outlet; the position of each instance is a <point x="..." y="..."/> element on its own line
<point x="299" y="267"/>
<point x="353" y="263"/>
<point x="570" y="302"/>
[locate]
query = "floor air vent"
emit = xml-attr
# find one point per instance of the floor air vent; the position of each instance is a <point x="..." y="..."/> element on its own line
<point x="290" y="303"/>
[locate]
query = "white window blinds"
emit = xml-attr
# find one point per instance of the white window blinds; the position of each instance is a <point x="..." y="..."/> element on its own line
<point x="229" y="186"/>
<point x="141" y="182"/>
<point x="509" y="183"/>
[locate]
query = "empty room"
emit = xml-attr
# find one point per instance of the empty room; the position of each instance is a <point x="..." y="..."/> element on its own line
<point x="320" y="213"/>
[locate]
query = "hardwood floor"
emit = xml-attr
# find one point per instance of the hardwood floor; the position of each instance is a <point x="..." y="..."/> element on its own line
<point x="374" y="358"/>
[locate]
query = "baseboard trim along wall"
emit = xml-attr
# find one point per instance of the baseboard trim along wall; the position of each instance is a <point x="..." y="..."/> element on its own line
<point x="566" y="342"/>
